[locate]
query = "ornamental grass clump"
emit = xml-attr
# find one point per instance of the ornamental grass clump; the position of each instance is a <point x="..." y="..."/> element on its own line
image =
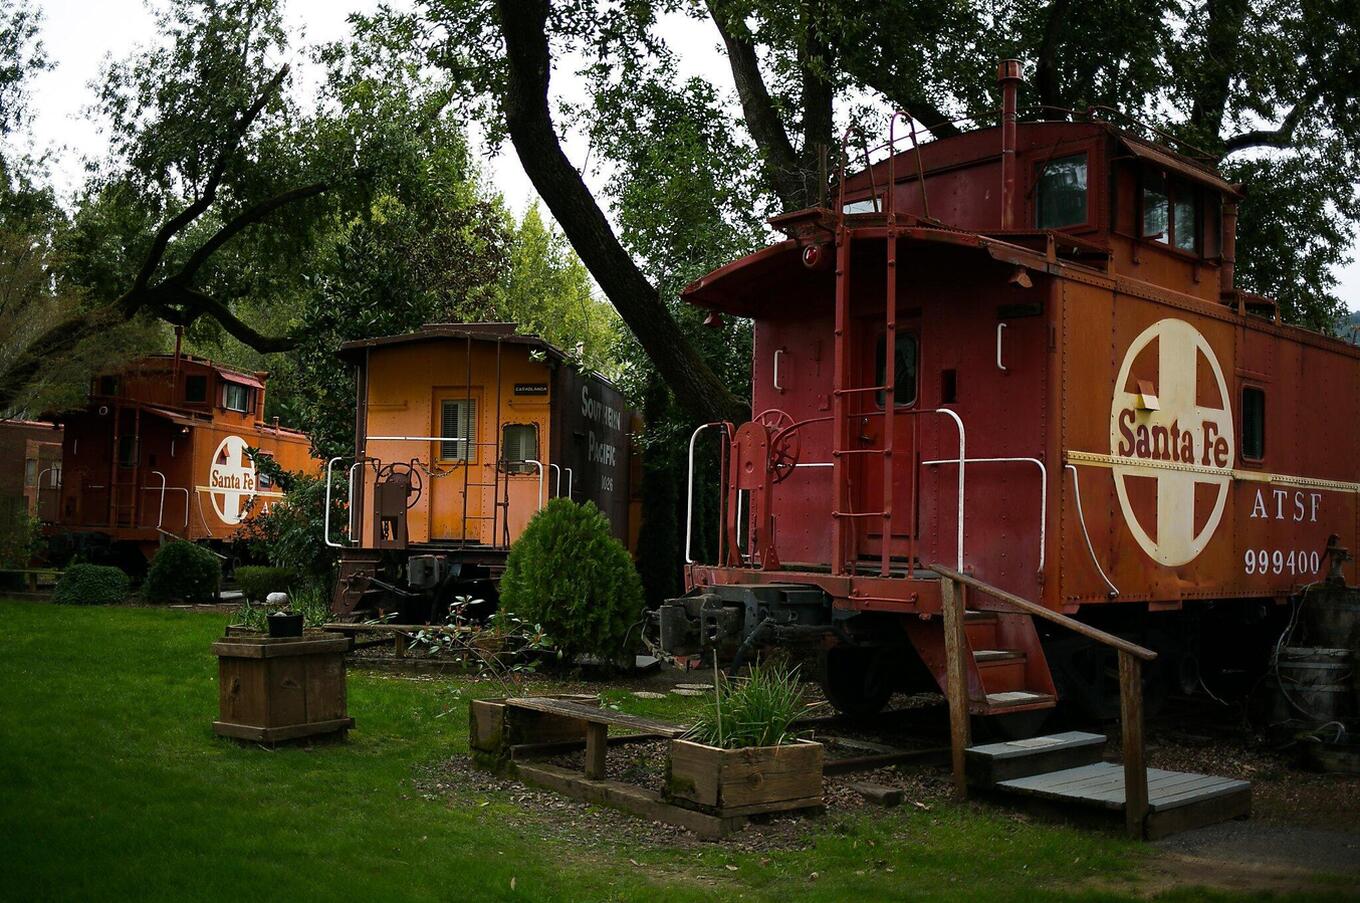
<point x="568" y="574"/>
<point x="758" y="710"/>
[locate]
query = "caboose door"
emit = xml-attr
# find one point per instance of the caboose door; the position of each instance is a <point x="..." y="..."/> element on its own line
<point x="455" y="484"/>
<point x="867" y="433"/>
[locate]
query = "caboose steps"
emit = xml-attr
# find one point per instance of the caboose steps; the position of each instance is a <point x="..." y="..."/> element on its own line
<point x="1065" y="775"/>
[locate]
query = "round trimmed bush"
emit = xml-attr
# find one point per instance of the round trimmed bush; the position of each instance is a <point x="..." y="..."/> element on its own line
<point x="568" y="574"/>
<point x="183" y="572"/>
<point x="257" y="582"/>
<point x="91" y="584"/>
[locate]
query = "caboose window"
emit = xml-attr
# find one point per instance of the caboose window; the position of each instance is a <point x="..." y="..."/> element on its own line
<point x="519" y="443"/>
<point x="904" y="372"/>
<point x="195" y="389"/>
<point x="457" y="423"/>
<point x="1061" y="193"/>
<point x="236" y="397"/>
<point x="1171" y="212"/>
<point x="1253" y="423"/>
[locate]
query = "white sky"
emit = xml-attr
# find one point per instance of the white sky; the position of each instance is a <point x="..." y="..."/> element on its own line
<point x="80" y="34"/>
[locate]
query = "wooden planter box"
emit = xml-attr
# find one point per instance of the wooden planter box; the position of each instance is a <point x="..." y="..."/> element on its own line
<point x="745" y="781"/>
<point x="487" y="729"/>
<point x="281" y="689"/>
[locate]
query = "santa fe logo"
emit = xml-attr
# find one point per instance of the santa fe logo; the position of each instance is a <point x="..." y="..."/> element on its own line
<point x="1175" y="431"/>
<point x="232" y="481"/>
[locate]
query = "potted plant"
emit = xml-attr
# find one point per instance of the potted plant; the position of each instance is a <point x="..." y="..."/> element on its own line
<point x="743" y="755"/>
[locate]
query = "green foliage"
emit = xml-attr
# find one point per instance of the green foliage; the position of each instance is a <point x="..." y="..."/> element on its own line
<point x="308" y="598"/>
<point x="20" y="533"/>
<point x="256" y="582"/>
<point x="91" y="584"/>
<point x="758" y="710"/>
<point x="569" y="574"/>
<point x="291" y="534"/>
<point x="183" y="572"/>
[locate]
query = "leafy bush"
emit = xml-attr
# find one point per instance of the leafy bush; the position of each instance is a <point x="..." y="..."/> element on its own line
<point x="567" y="573"/>
<point x="257" y="582"/>
<point x="91" y="584"/>
<point x="292" y="533"/>
<point x="20" y="534"/>
<point x="182" y="571"/>
<point x="757" y="711"/>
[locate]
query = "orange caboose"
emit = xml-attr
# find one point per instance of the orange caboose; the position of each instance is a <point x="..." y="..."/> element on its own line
<point x="163" y="450"/>
<point x="463" y="432"/>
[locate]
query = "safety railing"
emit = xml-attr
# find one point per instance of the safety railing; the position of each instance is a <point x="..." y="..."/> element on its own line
<point x="1043" y="490"/>
<point x="953" y="599"/>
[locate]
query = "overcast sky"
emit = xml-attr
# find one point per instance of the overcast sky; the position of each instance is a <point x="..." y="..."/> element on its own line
<point x="80" y="34"/>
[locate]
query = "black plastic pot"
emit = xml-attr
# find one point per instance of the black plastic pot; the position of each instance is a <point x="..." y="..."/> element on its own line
<point x="284" y="624"/>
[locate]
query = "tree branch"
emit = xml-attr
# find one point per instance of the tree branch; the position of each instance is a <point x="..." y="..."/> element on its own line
<point x="1279" y="137"/>
<point x="1050" y="94"/>
<point x="179" y="221"/>
<point x="241" y="221"/>
<point x="762" y="120"/>
<point x="818" y="98"/>
<point x="523" y="25"/>
<point x="891" y="85"/>
<point x="201" y="303"/>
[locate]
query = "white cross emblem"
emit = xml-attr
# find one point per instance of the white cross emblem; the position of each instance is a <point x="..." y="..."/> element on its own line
<point x="1175" y="403"/>
<point x="232" y="480"/>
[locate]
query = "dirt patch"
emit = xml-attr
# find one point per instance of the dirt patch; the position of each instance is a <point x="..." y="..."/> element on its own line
<point x="460" y="784"/>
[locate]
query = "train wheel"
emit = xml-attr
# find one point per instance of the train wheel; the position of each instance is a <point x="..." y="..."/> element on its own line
<point x="858" y="682"/>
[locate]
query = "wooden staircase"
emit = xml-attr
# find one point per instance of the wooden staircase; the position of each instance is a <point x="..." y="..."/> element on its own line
<point x="1066" y="774"/>
<point x="1012" y="674"/>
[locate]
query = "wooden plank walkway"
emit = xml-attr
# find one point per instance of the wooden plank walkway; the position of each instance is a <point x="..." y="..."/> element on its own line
<point x="1102" y="784"/>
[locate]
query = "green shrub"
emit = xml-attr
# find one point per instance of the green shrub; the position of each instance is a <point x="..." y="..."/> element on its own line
<point x="182" y="571"/>
<point x="257" y="582"/>
<point x="91" y="584"/>
<point x="567" y="573"/>
<point x="756" y="711"/>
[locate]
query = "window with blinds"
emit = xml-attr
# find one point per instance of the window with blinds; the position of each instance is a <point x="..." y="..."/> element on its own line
<point x="457" y="423"/>
<point x="519" y="443"/>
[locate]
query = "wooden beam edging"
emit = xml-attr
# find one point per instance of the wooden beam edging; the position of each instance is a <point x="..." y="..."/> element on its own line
<point x="1047" y="614"/>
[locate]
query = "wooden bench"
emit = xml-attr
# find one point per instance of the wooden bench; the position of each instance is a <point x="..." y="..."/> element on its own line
<point x="596" y="721"/>
<point x="33" y="578"/>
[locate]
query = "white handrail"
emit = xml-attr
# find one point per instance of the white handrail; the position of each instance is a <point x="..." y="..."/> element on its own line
<point x="326" y="529"/>
<point x="958" y="421"/>
<point x="775" y="378"/>
<point x="689" y="494"/>
<point x="541" y="485"/>
<point x="557" y="468"/>
<point x="1081" y="519"/>
<point x="569" y="480"/>
<point x="160" y="515"/>
<point x="1043" y="487"/>
<point x="999" y="328"/>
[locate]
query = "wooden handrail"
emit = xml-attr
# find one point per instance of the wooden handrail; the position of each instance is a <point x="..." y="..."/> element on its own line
<point x="1048" y="614"/>
<point x="1131" y="658"/>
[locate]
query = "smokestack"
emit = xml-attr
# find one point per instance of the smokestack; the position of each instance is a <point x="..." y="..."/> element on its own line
<point x="1227" y="271"/>
<point x="1008" y="75"/>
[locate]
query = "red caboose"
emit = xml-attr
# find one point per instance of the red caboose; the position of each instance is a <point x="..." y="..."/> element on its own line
<point x="1085" y="412"/>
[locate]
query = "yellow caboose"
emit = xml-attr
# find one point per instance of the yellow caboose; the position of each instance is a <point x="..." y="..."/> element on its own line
<point x="463" y="431"/>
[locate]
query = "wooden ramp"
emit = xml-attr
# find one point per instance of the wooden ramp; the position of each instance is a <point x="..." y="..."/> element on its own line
<point x="1066" y="772"/>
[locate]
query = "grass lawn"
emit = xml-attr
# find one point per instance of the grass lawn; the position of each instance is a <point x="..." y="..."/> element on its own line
<point x="113" y="786"/>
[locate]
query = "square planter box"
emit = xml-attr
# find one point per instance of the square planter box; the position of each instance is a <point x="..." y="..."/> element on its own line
<point x="487" y="728"/>
<point x="271" y="690"/>
<point x="745" y="781"/>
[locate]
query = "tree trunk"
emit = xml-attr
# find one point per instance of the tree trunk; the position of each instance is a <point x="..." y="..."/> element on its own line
<point x="697" y="388"/>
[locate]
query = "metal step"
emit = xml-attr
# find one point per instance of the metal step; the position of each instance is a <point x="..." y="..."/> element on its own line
<point x="982" y="656"/>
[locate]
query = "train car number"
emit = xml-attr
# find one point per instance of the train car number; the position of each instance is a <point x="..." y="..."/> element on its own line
<point x="1262" y="561"/>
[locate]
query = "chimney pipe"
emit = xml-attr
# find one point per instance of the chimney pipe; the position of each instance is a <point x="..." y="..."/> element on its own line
<point x="1227" y="271"/>
<point x="1008" y="75"/>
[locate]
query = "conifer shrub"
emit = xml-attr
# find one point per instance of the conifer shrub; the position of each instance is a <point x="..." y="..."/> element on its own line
<point x="91" y="584"/>
<point x="183" y="572"/>
<point x="568" y="574"/>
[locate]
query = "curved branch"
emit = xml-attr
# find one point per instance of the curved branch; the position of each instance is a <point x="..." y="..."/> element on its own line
<point x="891" y="85"/>
<point x="179" y="221"/>
<point x="1278" y="137"/>
<point x="523" y="25"/>
<point x="199" y="303"/>
<point x="241" y="221"/>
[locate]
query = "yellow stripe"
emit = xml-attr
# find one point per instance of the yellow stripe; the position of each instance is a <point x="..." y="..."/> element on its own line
<point x="262" y="493"/>
<point x="1094" y="459"/>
